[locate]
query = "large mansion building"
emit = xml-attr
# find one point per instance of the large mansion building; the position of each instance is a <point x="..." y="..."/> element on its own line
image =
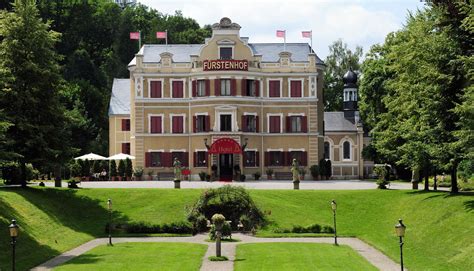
<point x="229" y="102"/>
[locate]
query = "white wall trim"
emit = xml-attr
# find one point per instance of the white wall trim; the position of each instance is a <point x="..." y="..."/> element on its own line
<point x="281" y="150"/>
<point x="302" y="86"/>
<point x="301" y="149"/>
<point x="281" y="121"/>
<point x="177" y="150"/>
<point x="200" y="150"/>
<point x="201" y="114"/>
<point x="268" y="87"/>
<point x="351" y="149"/>
<point x="296" y="114"/>
<point x="255" y="150"/>
<point x="250" y="113"/>
<point x="184" y="87"/>
<point x="225" y="46"/>
<point x="156" y="150"/>
<point x="162" y="123"/>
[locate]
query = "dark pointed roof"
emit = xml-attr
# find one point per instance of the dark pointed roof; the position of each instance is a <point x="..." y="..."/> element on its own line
<point x="350" y="79"/>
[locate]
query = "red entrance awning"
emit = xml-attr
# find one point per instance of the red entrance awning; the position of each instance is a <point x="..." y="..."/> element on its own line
<point x="225" y="145"/>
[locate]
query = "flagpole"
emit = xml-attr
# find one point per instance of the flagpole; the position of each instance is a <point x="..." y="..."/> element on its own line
<point x="311" y="40"/>
<point x="284" y="42"/>
<point x="139" y="40"/>
<point x="166" y="31"/>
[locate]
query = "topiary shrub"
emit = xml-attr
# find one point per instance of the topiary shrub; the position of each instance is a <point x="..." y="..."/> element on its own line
<point x="314" y="169"/>
<point x="230" y="201"/>
<point x="226" y="231"/>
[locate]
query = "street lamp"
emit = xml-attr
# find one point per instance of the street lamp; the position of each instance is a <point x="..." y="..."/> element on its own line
<point x="109" y="207"/>
<point x="334" y="207"/>
<point x="400" y="231"/>
<point x="13" y="234"/>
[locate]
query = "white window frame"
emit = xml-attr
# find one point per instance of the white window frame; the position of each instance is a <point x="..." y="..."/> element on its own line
<point x="302" y="87"/>
<point x="281" y="121"/>
<point x="254" y="150"/>
<point x="162" y="123"/>
<point x="341" y="149"/>
<point x="197" y="87"/>
<point x="156" y="150"/>
<point x="230" y="86"/>
<point x="162" y="87"/>
<point x="225" y="46"/>
<point x="200" y="114"/>
<point x="281" y="87"/>
<point x="171" y="87"/>
<point x="171" y="122"/>
<point x="232" y="119"/>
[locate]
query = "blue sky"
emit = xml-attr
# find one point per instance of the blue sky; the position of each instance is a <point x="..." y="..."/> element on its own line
<point x="356" y="22"/>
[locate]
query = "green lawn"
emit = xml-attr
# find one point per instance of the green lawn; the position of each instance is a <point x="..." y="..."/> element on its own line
<point x="298" y="257"/>
<point x="439" y="226"/>
<point x="139" y="256"/>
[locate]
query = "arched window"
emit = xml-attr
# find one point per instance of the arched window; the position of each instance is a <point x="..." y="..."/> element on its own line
<point x="346" y="150"/>
<point x="326" y="150"/>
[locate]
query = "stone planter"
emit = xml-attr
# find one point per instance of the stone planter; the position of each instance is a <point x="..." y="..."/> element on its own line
<point x="177" y="184"/>
<point x="296" y="185"/>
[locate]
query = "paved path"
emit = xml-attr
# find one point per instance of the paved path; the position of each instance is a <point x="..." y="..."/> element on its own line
<point x="304" y="185"/>
<point x="375" y="257"/>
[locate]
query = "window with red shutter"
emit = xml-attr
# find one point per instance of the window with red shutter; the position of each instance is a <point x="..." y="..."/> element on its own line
<point x="155" y="89"/>
<point x="126" y="148"/>
<point x="177" y="89"/>
<point x="177" y="124"/>
<point x="257" y="88"/>
<point x="274" y="87"/>
<point x="250" y="159"/>
<point x="208" y="123"/>
<point x="295" y="88"/>
<point x="125" y="124"/>
<point x="200" y="159"/>
<point x="274" y="124"/>
<point x="243" y="87"/>
<point x="155" y="125"/>
<point x="233" y="87"/>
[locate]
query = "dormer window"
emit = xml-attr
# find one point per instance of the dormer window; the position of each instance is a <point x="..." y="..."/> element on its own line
<point x="225" y="52"/>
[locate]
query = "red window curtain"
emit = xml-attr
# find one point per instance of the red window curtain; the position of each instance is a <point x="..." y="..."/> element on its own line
<point x="257" y="88"/>
<point x="233" y="87"/>
<point x="208" y="123"/>
<point x="167" y="159"/>
<point x="178" y="89"/>
<point x="125" y="124"/>
<point x="257" y="125"/>
<point x="295" y="87"/>
<point x="194" y="124"/>
<point x="126" y="148"/>
<point x="147" y="159"/>
<point x="194" y="88"/>
<point x="244" y="87"/>
<point x="185" y="161"/>
<point x="155" y="89"/>
<point x="267" y="158"/>
<point x="304" y="124"/>
<point x="274" y="124"/>
<point x="257" y="159"/>
<point x="195" y="157"/>
<point x="155" y="125"/>
<point x="208" y="87"/>
<point x="217" y="87"/>
<point x="177" y="124"/>
<point x="274" y="88"/>
<point x="304" y="158"/>
<point x="288" y="125"/>
<point x="244" y="123"/>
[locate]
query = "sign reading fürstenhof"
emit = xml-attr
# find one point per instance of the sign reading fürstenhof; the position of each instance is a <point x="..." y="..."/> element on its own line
<point x="225" y="65"/>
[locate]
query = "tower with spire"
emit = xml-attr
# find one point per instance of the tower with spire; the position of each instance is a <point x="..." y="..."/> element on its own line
<point x="350" y="107"/>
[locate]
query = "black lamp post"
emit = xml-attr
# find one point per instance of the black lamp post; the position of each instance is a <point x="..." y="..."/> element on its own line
<point x="400" y="231"/>
<point x="13" y="234"/>
<point x="109" y="207"/>
<point x="334" y="207"/>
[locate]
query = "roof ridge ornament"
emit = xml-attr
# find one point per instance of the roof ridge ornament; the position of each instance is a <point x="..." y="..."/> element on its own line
<point x="226" y="23"/>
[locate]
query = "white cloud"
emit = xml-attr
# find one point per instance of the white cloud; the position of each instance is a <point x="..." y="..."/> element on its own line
<point x="356" y="22"/>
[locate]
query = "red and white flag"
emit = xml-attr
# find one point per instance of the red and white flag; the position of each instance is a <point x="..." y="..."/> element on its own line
<point x="161" y="35"/>
<point x="281" y="33"/>
<point x="307" y="34"/>
<point x="134" y="35"/>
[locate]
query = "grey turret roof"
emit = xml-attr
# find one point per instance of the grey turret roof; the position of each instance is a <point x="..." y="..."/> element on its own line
<point x="335" y="122"/>
<point x="268" y="51"/>
<point x="120" y="98"/>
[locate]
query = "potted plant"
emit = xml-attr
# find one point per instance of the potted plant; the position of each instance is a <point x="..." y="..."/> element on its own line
<point x="257" y="175"/>
<point x="113" y="170"/>
<point x="121" y="170"/>
<point x="150" y="175"/>
<point x="302" y="173"/>
<point x="128" y="169"/>
<point x="208" y="177"/>
<point x="202" y="175"/>
<point x="214" y="173"/>
<point x="237" y="173"/>
<point x="269" y="172"/>
<point x="138" y="173"/>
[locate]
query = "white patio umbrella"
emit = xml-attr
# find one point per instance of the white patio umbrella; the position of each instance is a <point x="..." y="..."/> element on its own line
<point x="90" y="156"/>
<point x="121" y="156"/>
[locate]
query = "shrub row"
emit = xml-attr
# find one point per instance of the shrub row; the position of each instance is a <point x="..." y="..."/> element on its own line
<point x="314" y="228"/>
<point x="140" y="227"/>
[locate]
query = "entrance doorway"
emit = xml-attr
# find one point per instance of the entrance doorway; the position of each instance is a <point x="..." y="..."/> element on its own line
<point x="226" y="162"/>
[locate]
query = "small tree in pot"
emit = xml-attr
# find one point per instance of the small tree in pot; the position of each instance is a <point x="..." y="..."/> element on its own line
<point x="113" y="170"/>
<point x="269" y="172"/>
<point x="121" y="170"/>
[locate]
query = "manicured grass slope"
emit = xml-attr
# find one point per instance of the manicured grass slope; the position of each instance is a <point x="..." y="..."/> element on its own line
<point x="139" y="256"/>
<point x="298" y="257"/>
<point x="439" y="234"/>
